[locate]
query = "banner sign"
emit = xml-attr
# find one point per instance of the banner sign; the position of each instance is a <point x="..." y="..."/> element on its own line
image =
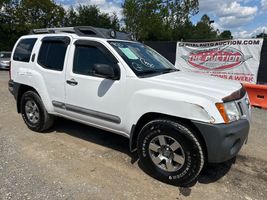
<point x="237" y="59"/>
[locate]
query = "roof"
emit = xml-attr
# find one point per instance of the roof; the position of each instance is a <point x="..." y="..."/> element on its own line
<point x="87" y="31"/>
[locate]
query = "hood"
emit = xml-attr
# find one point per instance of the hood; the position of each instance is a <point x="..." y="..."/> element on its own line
<point x="196" y="84"/>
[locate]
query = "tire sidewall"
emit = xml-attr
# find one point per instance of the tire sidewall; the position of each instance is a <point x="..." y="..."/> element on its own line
<point x="192" y="151"/>
<point x="30" y="95"/>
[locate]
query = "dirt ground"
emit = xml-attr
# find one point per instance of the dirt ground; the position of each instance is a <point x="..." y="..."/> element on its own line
<point x="75" y="161"/>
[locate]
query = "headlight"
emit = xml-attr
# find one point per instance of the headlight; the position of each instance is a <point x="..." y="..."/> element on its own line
<point x="229" y="111"/>
<point x="232" y="111"/>
<point x="235" y="95"/>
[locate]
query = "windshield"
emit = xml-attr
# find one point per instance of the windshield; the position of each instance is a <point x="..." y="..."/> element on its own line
<point x="142" y="59"/>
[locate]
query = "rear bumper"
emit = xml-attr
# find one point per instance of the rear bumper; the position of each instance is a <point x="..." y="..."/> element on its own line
<point x="11" y="86"/>
<point x="223" y="141"/>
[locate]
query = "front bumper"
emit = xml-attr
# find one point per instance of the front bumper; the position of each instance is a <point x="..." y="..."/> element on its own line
<point x="223" y="141"/>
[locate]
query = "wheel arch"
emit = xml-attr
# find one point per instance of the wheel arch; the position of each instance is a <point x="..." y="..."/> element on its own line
<point x="20" y="91"/>
<point x="144" y="119"/>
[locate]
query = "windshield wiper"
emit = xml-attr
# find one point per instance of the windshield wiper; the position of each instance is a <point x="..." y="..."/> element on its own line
<point x="153" y="72"/>
<point x="169" y="70"/>
<point x="148" y="72"/>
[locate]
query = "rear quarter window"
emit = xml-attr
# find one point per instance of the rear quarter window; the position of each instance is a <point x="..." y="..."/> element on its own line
<point x="24" y="49"/>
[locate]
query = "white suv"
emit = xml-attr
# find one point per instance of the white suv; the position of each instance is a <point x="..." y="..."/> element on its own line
<point x="176" y="121"/>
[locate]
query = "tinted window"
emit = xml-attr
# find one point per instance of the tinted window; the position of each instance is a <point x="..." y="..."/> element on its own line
<point x="86" y="57"/>
<point x="52" y="55"/>
<point x="24" y="49"/>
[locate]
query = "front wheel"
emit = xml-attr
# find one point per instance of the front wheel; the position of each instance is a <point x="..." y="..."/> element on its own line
<point x="170" y="152"/>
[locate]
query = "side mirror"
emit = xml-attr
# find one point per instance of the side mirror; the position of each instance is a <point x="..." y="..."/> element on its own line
<point x="105" y="71"/>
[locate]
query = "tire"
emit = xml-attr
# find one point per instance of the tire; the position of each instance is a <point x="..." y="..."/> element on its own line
<point x="34" y="113"/>
<point x="170" y="152"/>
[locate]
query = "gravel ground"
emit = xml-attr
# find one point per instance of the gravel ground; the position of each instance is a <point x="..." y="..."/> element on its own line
<point x="75" y="161"/>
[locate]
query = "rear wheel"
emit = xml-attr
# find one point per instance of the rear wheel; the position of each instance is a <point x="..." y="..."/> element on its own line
<point x="170" y="152"/>
<point x="34" y="113"/>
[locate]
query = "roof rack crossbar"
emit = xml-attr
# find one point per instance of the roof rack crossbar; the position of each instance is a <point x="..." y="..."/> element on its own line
<point x="53" y="30"/>
<point x="86" y="31"/>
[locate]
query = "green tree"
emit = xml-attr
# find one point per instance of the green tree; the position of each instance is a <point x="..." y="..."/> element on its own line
<point x="71" y="17"/>
<point x="204" y="30"/>
<point x="41" y="13"/>
<point x="115" y="22"/>
<point x="262" y="35"/>
<point x="9" y="26"/>
<point x="91" y="16"/>
<point x="183" y="31"/>
<point x="156" y="19"/>
<point x="18" y="17"/>
<point x="226" y="34"/>
<point x="3" y="2"/>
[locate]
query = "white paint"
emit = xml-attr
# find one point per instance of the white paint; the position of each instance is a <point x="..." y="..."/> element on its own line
<point x="179" y="94"/>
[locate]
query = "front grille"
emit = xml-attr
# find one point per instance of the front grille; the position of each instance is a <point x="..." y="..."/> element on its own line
<point x="244" y="107"/>
<point x="240" y="108"/>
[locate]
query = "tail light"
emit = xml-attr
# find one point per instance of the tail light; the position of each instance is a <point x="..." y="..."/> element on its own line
<point x="9" y="70"/>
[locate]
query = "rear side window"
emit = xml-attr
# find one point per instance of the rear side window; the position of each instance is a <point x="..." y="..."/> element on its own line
<point x="24" y="49"/>
<point x="52" y="54"/>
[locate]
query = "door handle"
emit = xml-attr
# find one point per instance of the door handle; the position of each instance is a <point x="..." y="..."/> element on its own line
<point x="72" y="82"/>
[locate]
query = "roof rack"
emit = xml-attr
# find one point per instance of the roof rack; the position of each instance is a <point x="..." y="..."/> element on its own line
<point x="87" y="31"/>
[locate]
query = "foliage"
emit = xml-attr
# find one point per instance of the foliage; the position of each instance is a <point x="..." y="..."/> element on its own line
<point x="262" y="35"/>
<point x="226" y="35"/>
<point x="204" y="30"/>
<point x="168" y="20"/>
<point x="41" y="13"/>
<point x="18" y="17"/>
<point x="8" y="24"/>
<point x="91" y="16"/>
<point x="156" y="19"/>
<point x="148" y="20"/>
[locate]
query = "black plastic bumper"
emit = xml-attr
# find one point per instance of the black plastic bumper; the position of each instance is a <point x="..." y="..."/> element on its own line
<point x="223" y="141"/>
<point x="11" y="86"/>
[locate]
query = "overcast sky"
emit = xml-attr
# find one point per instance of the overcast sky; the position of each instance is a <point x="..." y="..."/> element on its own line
<point x="245" y="18"/>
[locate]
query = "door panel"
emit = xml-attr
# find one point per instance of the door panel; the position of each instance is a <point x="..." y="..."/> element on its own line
<point x="88" y="97"/>
<point x="51" y="64"/>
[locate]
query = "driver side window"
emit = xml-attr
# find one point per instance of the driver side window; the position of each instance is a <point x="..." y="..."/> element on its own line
<point x="86" y="56"/>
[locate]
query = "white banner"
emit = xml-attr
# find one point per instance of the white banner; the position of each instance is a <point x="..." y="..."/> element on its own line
<point x="237" y="59"/>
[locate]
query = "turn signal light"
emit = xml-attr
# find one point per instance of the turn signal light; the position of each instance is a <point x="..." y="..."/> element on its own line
<point x="221" y="109"/>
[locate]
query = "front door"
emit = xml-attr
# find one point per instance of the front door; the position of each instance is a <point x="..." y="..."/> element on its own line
<point x="89" y="97"/>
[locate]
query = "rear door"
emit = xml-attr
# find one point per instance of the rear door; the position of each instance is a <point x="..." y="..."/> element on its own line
<point x="51" y="63"/>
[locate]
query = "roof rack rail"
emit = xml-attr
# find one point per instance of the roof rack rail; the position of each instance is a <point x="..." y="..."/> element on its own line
<point x="87" y="31"/>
